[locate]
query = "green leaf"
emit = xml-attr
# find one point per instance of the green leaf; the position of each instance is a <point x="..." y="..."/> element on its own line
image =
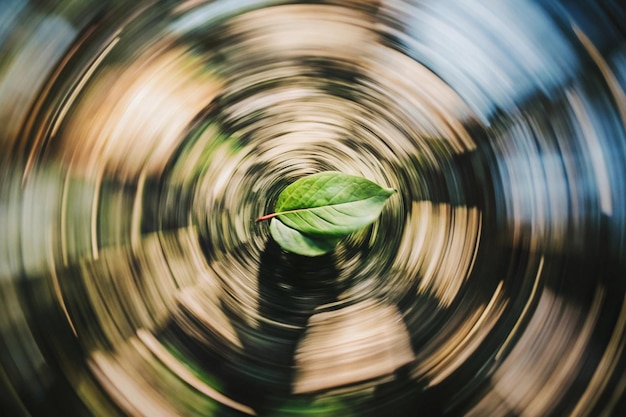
<point x="315" y="212"/>
<point x="330" y="204"/>
<point x="293" y="241"/>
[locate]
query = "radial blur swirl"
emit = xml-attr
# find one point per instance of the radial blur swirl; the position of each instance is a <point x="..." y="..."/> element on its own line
<point x="139" y="141"/>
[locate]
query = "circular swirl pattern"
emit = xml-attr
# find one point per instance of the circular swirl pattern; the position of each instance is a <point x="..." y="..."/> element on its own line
<point x="142" y="141"/>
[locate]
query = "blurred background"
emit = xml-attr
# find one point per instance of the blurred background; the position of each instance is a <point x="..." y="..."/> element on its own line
<point x="139" y="140"/>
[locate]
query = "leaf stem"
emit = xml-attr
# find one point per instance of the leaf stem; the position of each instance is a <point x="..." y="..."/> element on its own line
<point x="266" y="217"/>
<point x="272" y="215"/>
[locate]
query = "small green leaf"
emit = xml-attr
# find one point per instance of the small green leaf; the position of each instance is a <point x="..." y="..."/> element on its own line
<point x="330" y="204"/>
<point x="314" y="212"/>
<point x="293" y="241"/>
